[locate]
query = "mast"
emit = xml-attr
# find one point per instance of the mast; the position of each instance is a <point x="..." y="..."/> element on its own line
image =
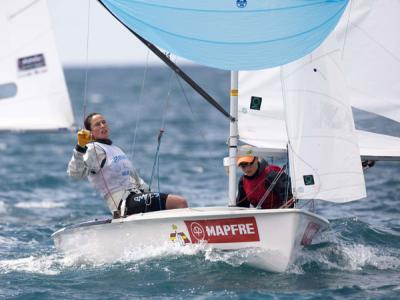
<point x="233" y="138"/>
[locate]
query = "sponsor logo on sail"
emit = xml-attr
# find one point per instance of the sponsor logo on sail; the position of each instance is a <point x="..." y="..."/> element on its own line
<point x="31" y="62"/>
<point x="232" y="230"/>
<point x="241" y="3"/>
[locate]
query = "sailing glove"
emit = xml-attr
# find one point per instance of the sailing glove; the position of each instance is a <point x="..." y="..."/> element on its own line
<point x="83" y="137"/>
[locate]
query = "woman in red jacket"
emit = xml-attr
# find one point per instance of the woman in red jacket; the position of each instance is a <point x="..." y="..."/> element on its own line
<point x="260" y="182"/>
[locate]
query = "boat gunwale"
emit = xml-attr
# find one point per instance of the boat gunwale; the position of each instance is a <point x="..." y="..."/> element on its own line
<point x="197" y="212"/>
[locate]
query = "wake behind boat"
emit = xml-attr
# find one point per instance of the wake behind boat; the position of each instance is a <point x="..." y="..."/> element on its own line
<point x="276" y="235"/>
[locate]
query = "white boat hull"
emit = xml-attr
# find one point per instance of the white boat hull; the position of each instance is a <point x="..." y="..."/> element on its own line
<point x="276" y="234"/>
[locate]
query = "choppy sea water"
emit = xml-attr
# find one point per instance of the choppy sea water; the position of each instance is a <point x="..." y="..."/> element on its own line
<point x="357" y="258"/>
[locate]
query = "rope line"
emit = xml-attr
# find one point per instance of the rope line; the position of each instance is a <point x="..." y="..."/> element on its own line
<point x="104" y="179"/>
<point x="270" y="188"/>
<point x="139" y="105"/>
<point x="156" y="159"/>
<point x="87" y="65"/>
<point x="203" y="136"/>
<point x="161" y="132"/>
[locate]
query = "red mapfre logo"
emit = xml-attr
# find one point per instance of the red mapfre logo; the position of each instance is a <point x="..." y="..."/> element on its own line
<point x="234" y="230"/>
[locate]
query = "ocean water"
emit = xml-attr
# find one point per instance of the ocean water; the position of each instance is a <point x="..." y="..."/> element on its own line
<point x="357" y="258"/>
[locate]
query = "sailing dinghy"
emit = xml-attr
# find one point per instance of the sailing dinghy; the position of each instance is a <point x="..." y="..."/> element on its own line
<point x="33" y="93"/>
<point x="319" y="135"/>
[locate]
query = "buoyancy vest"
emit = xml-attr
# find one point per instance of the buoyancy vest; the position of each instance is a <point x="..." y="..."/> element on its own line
<point x="255" y="187"/>
<point x="116" y="172"/>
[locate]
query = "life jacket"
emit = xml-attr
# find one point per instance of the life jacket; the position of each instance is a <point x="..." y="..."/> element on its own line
<point x="255" y="187"/>
<point x="116" y="173"/>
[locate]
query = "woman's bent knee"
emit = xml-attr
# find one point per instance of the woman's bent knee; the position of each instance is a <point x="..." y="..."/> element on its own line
<point x="174" y="201"/>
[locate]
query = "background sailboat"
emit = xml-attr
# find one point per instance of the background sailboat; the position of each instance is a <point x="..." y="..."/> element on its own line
<point x="33" y="93"/>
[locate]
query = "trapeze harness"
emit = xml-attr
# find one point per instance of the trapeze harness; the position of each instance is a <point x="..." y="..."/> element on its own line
<point x="255" y="188"/>
<point x="116" y="172"/>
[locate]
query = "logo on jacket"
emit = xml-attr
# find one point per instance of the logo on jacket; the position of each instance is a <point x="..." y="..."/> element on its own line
<point x="118" y="158"/>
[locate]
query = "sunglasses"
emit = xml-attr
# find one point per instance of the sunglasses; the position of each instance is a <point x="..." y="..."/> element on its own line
<point x="246" y="164"/>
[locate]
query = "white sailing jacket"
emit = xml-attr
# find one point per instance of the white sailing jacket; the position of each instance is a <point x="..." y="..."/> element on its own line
<point x="112" y="178"/>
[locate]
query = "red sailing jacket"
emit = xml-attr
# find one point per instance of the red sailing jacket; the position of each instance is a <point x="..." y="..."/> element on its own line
<point x="252" y="189"/>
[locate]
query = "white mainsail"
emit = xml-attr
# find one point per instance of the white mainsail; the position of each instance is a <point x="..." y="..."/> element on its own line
<point x="371" y="87"/>
<point x="33" y="93"/>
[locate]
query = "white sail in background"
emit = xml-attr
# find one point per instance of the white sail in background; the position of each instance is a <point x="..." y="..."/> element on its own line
<point x="33" y="93"/>
<point x="323" y="149"/>
<point x="370" y="55"/>
<point x="371" y="87"/>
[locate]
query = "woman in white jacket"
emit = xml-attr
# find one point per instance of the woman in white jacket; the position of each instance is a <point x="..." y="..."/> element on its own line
<point x="111" y="173"/>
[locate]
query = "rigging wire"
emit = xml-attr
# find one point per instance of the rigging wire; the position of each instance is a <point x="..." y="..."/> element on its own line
<point x="203" y="136"/>
<point x="347" y="28"/>
<point x="288" y="185"/>
<point x="84" y="104"/>
<point x="270" y="188"/>
<point x="87" y="65"/>
<point x="137" y="117"/>
<point x="287" y="130"/>
<point x="104" y="180"/>
<point x="156" y="163"/>
<point x="161" y="132"/>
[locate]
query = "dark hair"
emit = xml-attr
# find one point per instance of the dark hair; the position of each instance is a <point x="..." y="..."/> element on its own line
<point x="88" y="120"/>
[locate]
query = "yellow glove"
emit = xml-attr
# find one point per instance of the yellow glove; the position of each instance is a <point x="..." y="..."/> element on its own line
<point x="84" y="137"/>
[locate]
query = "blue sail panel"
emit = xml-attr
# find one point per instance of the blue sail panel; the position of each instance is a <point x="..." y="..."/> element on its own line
<point x="232" y="34"/>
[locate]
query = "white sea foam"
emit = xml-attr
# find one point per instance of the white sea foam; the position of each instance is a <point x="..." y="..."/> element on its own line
<point x="358" y="256"/>
<point x="233" y="258"/>
<point x="105" y="249"/>
<point x="3" y="146"/>
<point x="198" y="169"/>
<point x="352" y="257"/>
<point x="41" y="265"/>
<point x="3" y="207"/>
<point x="89" y="255"/>
<point x="8" y="241"/>
<point x="40" y="204"/>
<point x="167" y="249"/>
<point x="96" y="98"/>
<point x="50" y="264"/>
<point x="138" y="255"/>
